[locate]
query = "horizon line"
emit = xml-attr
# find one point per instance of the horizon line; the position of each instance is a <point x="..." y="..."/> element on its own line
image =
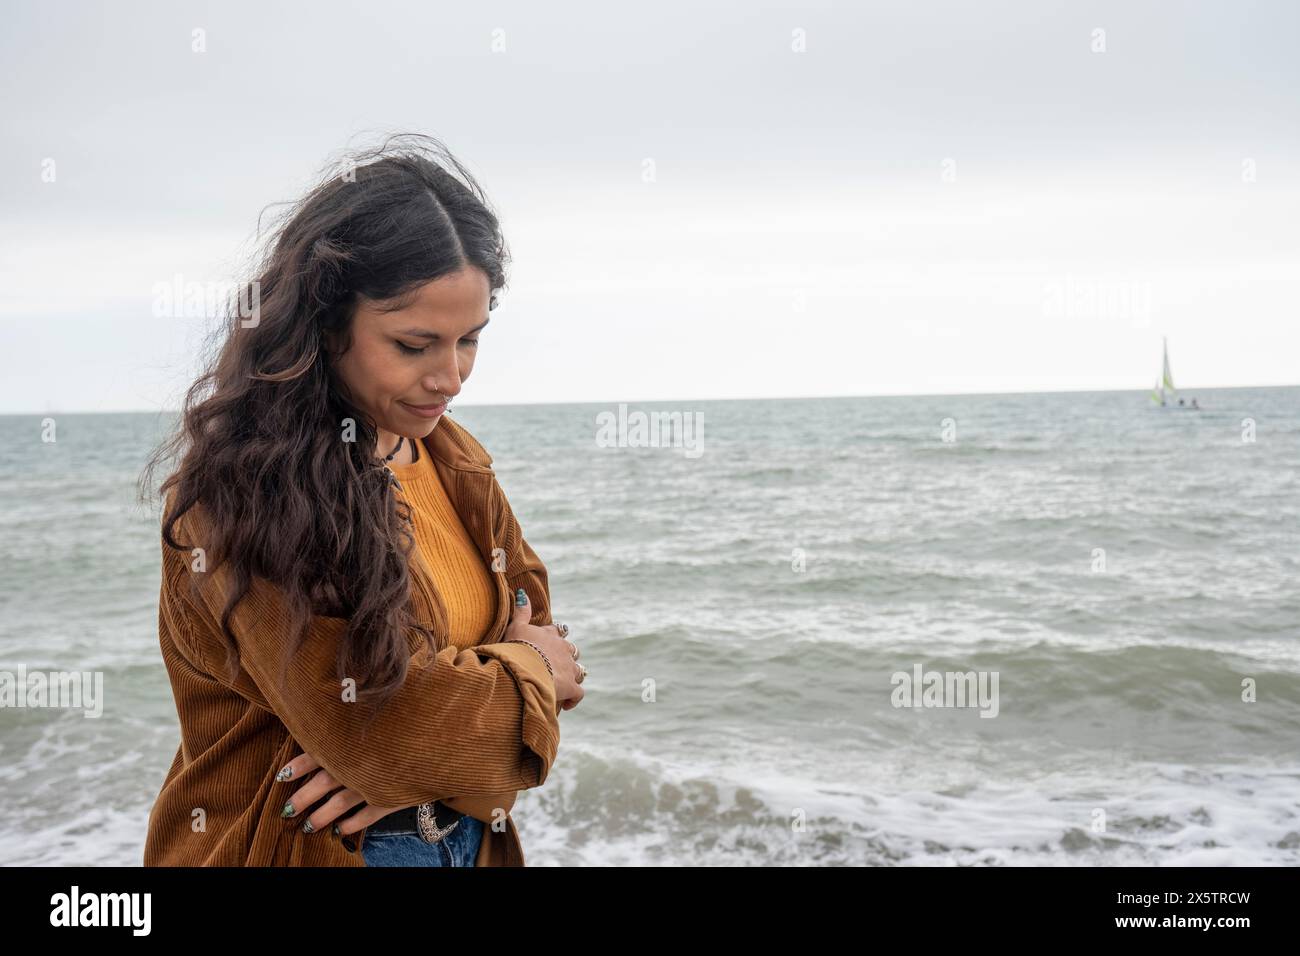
<point x="751" y="398"/>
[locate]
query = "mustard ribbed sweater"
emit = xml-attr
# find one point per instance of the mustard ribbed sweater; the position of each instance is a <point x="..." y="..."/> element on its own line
<point x="462" y="576"/>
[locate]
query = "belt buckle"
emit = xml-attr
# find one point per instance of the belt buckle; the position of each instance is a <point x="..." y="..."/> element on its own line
<point x="427" y="821"/>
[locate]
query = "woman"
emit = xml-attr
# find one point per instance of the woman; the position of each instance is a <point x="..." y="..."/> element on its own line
<point x="358" y="636"/>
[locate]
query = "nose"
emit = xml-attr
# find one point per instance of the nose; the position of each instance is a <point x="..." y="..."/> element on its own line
<point x="445" y="381"/>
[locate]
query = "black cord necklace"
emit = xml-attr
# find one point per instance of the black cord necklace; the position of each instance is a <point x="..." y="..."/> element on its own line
<point x="415" y="450"/>
<point x="415" y="456"/>
<point x="393" y="454"/>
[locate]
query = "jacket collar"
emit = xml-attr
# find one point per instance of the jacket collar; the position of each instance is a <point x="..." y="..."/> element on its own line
<point x="453" y="445"/>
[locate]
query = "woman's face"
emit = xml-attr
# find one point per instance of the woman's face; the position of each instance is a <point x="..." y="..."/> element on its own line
<point x="418" y="356"/>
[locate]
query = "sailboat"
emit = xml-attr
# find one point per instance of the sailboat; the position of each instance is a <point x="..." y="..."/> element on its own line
<point x="1165" y="384"/>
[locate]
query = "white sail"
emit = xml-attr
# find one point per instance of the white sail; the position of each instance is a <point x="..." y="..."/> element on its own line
<point x="1164" y="389"/>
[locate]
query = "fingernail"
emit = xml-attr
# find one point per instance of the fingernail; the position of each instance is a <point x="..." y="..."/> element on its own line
<point x="287" y="811"/>
<point x="307" y="827"/>
<point x="337" y="831"/>
<point x="284" y="775"/>
<point x="520" y="597"/>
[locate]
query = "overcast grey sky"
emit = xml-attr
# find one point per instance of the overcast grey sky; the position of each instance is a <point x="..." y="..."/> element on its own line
<point x="721" y="200"/>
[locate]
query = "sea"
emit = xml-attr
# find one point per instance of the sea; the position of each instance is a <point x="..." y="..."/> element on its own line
<point x="780" y="604"/>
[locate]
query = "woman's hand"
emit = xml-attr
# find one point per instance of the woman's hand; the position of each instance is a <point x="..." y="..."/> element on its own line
<point x="320" y="784"/>
<point x="558" y="650"/>
<point x="317" y="782"/>
<point x="487" y="808"/>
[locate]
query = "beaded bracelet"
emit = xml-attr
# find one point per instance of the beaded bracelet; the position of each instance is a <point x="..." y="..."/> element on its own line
<point x="545" y="659"/>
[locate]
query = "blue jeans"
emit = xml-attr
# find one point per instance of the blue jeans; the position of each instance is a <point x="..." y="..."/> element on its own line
<point x="406" y="848"/>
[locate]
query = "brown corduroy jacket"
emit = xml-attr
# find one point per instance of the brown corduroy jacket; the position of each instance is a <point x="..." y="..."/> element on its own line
<point x="481" y="721"/>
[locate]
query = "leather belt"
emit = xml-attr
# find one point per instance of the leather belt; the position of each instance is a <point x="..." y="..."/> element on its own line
<point x="407" y="820"/>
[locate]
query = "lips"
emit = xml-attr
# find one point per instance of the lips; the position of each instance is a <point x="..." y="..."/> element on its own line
<point x="426" y="411"/>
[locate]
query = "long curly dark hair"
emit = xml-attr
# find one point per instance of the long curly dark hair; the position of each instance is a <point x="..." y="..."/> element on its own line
<point x="284" y="499"/>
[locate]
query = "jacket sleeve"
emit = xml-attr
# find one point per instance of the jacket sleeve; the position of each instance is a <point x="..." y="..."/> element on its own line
<point x="479" y="720"/>
<point x="484" y="808"/>
<point x="524" y="569"/>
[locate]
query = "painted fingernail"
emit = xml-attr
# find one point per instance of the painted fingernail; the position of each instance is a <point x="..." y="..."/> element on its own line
<point x="287" y="811"/>
<point x="307" y="827"/>
<point x="337" y="831"/>
<point x="284" y="774"/>
<point x="520" y="597"/>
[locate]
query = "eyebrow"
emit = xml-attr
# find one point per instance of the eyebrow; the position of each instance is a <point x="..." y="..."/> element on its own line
<point x="425" y="333"/>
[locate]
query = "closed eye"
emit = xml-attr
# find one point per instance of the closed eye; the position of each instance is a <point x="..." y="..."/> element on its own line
<point x="410" y="350"/>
